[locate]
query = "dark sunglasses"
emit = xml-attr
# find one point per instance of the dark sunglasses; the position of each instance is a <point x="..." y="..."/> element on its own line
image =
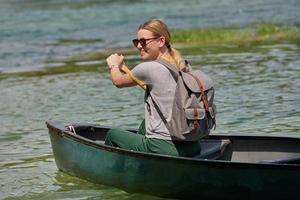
<point x="142" y="41"/>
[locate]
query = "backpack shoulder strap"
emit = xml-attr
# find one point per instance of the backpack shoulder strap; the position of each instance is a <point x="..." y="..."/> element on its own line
<point x="173" y="69"/>
<point x="161" y="115"/>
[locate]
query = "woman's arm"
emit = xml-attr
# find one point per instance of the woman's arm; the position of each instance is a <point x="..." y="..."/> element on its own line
<point x="121" y="79"/>
<point x="118" y="78"/>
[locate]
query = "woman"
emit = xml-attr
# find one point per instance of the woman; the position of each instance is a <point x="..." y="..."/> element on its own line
<point x="152" y="42"/>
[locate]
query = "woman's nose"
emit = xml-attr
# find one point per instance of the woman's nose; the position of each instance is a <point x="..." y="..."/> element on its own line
<point x="139" y="46"/>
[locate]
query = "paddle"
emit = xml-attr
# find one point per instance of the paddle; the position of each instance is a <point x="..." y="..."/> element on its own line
<point x="125" y="69"/>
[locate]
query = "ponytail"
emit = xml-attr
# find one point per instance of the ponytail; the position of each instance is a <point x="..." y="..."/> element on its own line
<point x="174" y="57"/>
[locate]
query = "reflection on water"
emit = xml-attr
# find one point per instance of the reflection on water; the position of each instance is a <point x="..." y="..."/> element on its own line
<point x="257" y="92"/>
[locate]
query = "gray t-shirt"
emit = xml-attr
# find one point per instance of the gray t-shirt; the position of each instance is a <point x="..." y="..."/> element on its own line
<point x="162" y="87"/>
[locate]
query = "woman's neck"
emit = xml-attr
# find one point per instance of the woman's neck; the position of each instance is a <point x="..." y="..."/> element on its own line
<point x="164" y="52"/>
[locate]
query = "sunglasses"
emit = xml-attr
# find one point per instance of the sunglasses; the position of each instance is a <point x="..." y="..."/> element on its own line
<point x="142" y="41"/>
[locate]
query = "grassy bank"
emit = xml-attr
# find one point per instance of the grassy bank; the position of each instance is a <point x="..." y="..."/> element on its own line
<point x="188" y="41"/>
<point x="262" y="32"/>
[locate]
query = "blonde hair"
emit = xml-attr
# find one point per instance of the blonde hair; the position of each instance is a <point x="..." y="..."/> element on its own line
<point x="159" y="28"/>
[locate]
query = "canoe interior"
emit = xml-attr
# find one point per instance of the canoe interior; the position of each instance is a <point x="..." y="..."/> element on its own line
<point x="236" y="148"/>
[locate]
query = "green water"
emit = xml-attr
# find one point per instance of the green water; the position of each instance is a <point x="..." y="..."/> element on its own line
<point x="257" y="86"/>
<point x="257" y="92"/>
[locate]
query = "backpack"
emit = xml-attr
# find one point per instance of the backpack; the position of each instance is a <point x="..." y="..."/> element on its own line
<point x="193" y="110"/>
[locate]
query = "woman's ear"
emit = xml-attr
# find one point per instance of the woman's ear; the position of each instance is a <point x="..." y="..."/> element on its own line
<point x="162" y="41"/>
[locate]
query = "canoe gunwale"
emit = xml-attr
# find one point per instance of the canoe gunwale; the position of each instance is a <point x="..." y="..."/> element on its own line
<point x="57" y="127"/>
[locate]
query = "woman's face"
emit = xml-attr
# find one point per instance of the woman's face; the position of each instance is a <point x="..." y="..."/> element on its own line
<point x="148" y="45"/>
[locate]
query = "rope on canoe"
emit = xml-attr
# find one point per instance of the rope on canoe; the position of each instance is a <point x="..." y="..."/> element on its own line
<point x="71" y="129"/>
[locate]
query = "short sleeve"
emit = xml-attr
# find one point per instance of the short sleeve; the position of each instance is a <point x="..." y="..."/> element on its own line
<point x="142" y="72"/>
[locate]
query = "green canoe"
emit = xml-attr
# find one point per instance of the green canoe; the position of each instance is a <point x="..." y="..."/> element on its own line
<point x="229" y="166"/>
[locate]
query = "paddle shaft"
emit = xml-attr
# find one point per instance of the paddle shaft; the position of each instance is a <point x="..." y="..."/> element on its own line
<point x="125" y="69"/>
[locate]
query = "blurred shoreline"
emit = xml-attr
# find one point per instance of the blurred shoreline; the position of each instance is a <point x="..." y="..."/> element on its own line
<point x="37" y="34"/>
<point x="261" y="33"/>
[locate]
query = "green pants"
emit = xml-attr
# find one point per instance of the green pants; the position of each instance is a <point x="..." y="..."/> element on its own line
<point x="138" y="142"/>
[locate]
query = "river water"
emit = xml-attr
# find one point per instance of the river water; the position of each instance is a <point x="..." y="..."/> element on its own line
<point x="257" y="86"/>
<point x="32" y="31"/>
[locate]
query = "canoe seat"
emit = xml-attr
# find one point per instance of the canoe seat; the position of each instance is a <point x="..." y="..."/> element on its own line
<point x="290" y="160"/>
<point x="212" y="148"/>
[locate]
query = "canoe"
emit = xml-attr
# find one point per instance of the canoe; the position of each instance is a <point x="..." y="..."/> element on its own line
<point x="229" y="166"/>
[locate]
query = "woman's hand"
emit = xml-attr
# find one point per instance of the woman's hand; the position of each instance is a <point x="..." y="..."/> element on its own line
<point x="115" y="60"/>
<point x="119" y="78"/>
